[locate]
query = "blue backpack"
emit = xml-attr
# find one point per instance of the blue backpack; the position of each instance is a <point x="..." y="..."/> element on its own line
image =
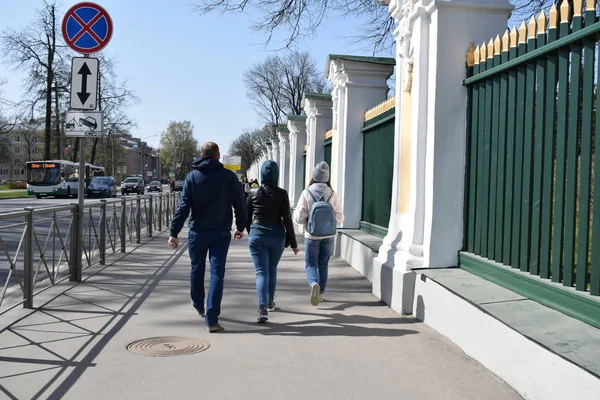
<point x="321" y="218"/>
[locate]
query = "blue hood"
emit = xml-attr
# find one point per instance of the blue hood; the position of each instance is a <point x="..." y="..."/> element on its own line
<point x="269" y="173"/>
<point x="206" y="163"/>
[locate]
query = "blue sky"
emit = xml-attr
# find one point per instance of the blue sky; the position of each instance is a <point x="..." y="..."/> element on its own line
<point x="186" y="66"/>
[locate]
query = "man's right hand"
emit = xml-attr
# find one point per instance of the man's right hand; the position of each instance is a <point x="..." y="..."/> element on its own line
<point x="173" y="242"/>
<point x="238" y="235"/>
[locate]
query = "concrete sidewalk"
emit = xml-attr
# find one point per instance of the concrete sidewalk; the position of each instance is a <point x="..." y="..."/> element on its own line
<point x="349" y="347"/>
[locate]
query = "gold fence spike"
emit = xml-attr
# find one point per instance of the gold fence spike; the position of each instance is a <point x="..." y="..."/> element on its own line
<point x="476" y="55"/>
<point x="590" y="5"/>
<point x="577" y="8"/>
<point x="482" y="53"/>
<point x="532" y="28"/>
<point x="497" y="45"/>
<point x="470" y="55"/>
<point x="490" y="49"/>
<point x="553" y="17"/>
<point x="564" y="12"/>
<point x="513" y="37"/>
<point x="541" y="23"/>
<point x="522" y="33"/>
<point x="505" y="41"/>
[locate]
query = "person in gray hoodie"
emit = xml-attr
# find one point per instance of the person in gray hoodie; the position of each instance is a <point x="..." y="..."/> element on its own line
<point x="317" y="249"/>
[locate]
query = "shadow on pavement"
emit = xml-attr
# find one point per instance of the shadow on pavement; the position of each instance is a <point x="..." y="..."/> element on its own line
<point x="335" y="324"/>
<point x="75" y="326"/>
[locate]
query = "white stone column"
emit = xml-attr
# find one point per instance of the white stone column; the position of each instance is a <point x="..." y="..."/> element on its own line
<point x="284" y="156"/>
<point x="318" y="121"/>
<point x="426" y="222"/>
<point x="275" y="141"/>
<point x="359" y="83"/>
<point x="297" y="127"/>
<point x="269" y="154"/>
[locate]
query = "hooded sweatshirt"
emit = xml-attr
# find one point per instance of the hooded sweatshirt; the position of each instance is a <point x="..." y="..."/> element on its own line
<point x="306" y="202"/>
<point x="209" y="192"/>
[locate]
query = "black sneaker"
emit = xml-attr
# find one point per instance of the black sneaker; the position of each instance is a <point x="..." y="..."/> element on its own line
<point x="263" y="316"/>
<point x="272" y="306"/>
<point x="201" y="311"/>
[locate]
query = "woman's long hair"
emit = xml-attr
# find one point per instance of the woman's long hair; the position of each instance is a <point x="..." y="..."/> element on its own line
<point x="328" y="183"/>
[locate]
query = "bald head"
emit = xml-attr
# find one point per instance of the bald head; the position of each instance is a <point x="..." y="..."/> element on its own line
<point x="210" y="150"/>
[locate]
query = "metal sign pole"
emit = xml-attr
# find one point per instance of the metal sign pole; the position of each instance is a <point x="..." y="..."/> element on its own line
<point x="80" y="201"/>
<point x="84" y="98"/>
<point x="80" y="214"/>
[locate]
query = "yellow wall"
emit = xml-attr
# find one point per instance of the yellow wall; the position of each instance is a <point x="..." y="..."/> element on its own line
<point x="405" y="153"/>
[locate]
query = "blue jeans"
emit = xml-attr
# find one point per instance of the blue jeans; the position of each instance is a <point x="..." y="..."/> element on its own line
<point x="266" y="253"/>
<point x="317" y="253"/>
<point x="216" y="245"/>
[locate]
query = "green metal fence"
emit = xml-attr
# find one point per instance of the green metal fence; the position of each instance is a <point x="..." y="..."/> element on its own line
<point x="378" y="172"/>
<point x="530" y="168"/>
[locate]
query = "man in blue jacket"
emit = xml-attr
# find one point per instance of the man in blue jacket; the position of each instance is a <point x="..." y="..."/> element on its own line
<point x="209" y="191"/>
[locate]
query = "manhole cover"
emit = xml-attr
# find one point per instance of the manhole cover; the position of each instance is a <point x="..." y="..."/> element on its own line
<point x="167" y="346"/>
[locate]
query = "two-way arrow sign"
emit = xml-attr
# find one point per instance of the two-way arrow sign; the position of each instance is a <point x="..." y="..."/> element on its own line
<point x="84" y="83"/>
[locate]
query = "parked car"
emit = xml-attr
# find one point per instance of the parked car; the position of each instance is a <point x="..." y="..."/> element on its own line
<point x="102" y="186"/>
<point x="132" y="185"/>
<point x="155" y="186"/>
<point x="178" y="187"/>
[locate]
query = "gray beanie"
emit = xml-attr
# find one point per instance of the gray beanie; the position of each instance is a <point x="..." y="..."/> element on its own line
<point x="321" y="172"/>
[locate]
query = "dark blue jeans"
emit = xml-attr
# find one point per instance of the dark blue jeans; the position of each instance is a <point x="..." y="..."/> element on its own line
<point x="317" y="253"/>
<point x="266" y="253"/>
<point x="215" y="245"/>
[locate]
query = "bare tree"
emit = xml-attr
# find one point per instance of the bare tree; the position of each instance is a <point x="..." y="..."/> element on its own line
<point x="7" y="123"/>
<point x="30" y="132"/>
<point x="277" y="85"/>
<point x="249" y="146"/>
<point x="302" y="18"/>
<point x="36" y="50"/>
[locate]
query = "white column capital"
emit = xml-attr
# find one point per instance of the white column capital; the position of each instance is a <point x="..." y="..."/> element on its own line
<point x="297" y="127"/>
<point x="284" y="136"/>
<point x="297" y="124"/>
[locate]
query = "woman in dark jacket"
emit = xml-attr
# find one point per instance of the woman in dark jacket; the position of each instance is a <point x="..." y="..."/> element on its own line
<point x="270" y="231"/>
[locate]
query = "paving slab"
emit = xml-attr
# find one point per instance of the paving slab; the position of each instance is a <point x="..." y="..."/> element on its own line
<point x="349" y="347"/>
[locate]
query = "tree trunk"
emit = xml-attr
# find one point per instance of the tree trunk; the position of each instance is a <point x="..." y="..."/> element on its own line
<point x="48" y="122"/>
<point x="51" y="42"/>
<point x="95" y="143"/>
<point x="94" y="149"/>
<point x="59" y="146"/>
<point x="75" y="150"/>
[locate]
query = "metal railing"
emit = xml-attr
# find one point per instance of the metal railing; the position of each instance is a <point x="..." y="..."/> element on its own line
<point x="38" y="246"/>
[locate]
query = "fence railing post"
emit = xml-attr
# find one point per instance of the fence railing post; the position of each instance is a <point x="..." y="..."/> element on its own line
<point x="138" y="220"/>
<point x="28" y="260"/>
<point x="76" y="243"/>
<point x="169" y="208"/>
<point x="150" y="215"/>
<point x="102" y="246"/>
<point x="160" y="212"/>
<point x="123" y="225"/>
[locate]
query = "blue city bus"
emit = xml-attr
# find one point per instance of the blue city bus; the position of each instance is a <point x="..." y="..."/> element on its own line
<point x="57" y="178"/>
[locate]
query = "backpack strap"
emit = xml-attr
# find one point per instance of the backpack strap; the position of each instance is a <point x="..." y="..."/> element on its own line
<point x="330" y="196"/>
<point x="312" y="195"/>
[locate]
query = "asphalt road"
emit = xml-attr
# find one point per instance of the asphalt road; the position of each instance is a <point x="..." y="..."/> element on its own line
<point x="11" y="232"/>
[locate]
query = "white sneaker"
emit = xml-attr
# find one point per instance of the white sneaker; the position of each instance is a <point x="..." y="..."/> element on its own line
<point x="315" y="290"/>
<point x="321" y="297"/>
